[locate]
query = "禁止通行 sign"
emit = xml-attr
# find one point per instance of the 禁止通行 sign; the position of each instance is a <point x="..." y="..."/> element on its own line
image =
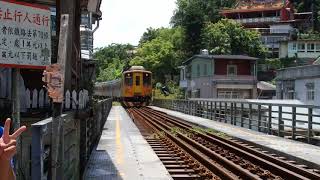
<point x="25" y="35"/>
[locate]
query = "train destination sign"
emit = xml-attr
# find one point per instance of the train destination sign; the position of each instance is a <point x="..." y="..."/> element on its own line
<point x="25" y="36"/>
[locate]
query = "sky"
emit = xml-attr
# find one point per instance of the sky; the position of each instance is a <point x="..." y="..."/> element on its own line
<point x="124" y="21"/>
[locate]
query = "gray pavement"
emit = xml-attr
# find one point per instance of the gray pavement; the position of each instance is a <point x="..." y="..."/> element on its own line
<point x="123" y="154"/>
<point x="300" y="152"/>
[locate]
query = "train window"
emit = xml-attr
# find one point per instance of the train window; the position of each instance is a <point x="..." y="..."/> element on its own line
<point x="128" y="79"/>
<point x="146" y="79"/>
<point x="137" y="80"/>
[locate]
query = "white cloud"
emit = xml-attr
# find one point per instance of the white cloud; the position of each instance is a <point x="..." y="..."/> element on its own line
<point x="124" y="21"/>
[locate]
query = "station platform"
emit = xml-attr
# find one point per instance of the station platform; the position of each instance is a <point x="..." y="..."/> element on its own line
<point x="297" y="151"/>
<point x="123" y="153"/>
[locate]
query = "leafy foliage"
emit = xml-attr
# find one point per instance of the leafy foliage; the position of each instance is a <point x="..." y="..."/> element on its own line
<point x="161" y="54"/>
<point x="111" y="60"/>
<point x="229" y="37"/>
<point x="192" y="16"/>
<point x="309" y="6"/>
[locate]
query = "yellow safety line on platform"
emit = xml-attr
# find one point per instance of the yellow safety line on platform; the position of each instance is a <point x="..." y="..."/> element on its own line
<point x="119" y="151"/>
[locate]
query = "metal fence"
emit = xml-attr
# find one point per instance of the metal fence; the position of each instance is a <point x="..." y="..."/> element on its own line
<point x="80" y="131"/>
<point x="294" y="121"/>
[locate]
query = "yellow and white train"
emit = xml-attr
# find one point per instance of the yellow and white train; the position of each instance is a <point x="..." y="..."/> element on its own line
<point x="134" y="87"/>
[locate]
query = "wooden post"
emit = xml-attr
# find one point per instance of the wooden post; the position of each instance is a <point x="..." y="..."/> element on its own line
<point x="57" y="122"/>
<point x="16" y="117"/>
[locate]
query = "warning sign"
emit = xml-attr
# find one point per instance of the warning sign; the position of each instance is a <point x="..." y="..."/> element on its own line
<point x="25" y="35"/>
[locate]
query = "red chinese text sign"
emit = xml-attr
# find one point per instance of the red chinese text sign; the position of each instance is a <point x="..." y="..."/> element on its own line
<point x="25" y="36"/>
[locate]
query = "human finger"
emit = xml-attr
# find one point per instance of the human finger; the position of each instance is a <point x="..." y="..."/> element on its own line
<point x="18" y="132"/>
<point x="9" y="152"/>
<point x="6" y="145"/>
<point x="6" y="130"/>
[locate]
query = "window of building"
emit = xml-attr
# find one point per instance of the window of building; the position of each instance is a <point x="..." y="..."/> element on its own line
<point x="294" y="46"/>
<point x="301" y="47"/>
<point x="310" y="91"/>
<point x="228" y="95"/>
<point x="318" y="47"/>
<point x="205" y="70"/>
<point x="198" y="70"/>
<point x="290" y="93"/>
<point x="232" y="70"/>
<point x="310" y="47"/>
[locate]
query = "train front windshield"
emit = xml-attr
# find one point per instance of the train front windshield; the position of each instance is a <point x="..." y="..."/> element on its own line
<point x="128" y="79"/>
<point x="146" y="79"/>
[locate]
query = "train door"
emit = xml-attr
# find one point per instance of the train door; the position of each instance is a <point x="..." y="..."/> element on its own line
<point x="138" y="84"/>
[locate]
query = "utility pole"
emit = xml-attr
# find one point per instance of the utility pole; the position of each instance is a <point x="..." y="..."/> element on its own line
<point x="16" y="116"/>
<point x="57" y="95"/>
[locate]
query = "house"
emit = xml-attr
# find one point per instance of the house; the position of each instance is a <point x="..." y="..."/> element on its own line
<point x="276" y="20"/>
<point x="219" y="76"/>
<point x="306" y="50"/>
<point x="301" y="83"/>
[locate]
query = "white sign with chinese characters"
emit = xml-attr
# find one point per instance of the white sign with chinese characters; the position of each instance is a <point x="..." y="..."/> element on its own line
<point x="25" y="35"/>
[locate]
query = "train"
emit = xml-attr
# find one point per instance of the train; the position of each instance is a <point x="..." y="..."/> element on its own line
<point x="134" y="88"/>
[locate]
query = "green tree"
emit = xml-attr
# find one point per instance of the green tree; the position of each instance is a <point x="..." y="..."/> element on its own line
<point x="229" y="37"/>
<point x="192" y="16"/>
<point x="112" y="71"/>
<point x="149" y="35"/>
<point x="161" y="54"/>
<point x="157" y="56"/>
<point x="309" y="6"/>
<point x="111" y="60"/>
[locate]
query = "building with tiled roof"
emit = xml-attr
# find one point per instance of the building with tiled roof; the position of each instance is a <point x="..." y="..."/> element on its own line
<point x="276" y="20"/>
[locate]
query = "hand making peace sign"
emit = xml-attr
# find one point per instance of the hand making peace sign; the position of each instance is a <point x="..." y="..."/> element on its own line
<point x="8" y="142"/>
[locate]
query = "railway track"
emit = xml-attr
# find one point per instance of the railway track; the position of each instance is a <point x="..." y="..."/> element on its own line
<point x="194" y="153"/>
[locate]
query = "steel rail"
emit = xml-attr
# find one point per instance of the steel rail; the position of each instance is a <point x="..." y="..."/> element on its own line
<point x="246" y="151"/>
<point x="279" y="170"/>
<point x="203" y="154"/>
<point x="168" y="150"/>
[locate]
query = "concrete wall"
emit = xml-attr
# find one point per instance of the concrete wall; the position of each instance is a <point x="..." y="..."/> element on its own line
<point x="204" y="84"/>
<point x="81" y="130"/>
<point x="283" y="50"/>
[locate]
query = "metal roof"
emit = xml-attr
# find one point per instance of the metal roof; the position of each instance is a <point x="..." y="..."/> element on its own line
<point x="227" y="57"/>
<point x="264" y="86"/>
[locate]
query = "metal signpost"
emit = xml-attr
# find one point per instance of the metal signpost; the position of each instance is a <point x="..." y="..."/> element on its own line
<point x="25" y="42"/>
